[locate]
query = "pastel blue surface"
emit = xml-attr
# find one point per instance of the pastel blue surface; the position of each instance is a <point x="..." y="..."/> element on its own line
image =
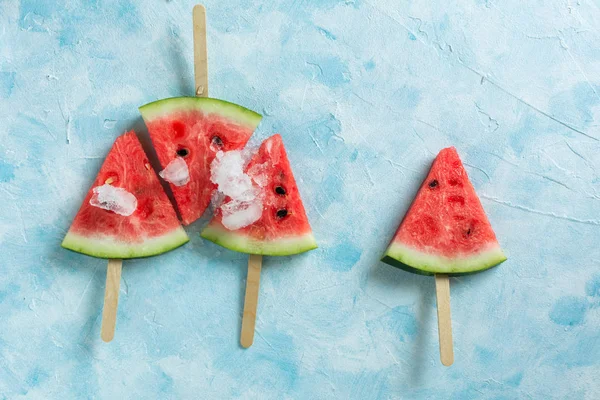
<point x="364" y="93"/>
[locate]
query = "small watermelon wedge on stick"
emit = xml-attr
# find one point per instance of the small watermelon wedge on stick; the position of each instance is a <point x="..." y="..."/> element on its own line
<point x="262" y="214"/>
<point x="187" y="132"/>
<point x="126" y="214"/>
<point x="445" y="232"/>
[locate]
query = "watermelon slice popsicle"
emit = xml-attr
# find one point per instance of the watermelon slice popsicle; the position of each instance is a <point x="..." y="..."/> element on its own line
<point x="262" y="214"/>
<point x="126" y="214"/>
<point x="445" y="232"/>
<point x="190" y="133"/>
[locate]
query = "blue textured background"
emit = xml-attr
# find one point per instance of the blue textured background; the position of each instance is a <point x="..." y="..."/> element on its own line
<point x="364" y="93"/>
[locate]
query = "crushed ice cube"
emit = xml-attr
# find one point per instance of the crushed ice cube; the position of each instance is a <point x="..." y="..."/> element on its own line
<point x="227" y="172"/>
<point x="238" y="214"/>
<point x="115" y="199"/>
<point x="273" y="156"/>
<point x="216" y="200"/>
<point x="245" y="205"/>
<point x="258" y="173"/>
<point x="176" y="172"/>
<point x="249" y="151"/>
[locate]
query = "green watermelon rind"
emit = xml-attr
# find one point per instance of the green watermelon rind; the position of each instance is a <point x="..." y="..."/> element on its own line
<point x="413" y="260"/>
<point x="231" y="111"/>
<point x="244" y="244"/>
<point x="107" y="247"/>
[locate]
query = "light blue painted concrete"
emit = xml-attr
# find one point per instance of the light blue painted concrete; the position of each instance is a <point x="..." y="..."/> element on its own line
<point x="364" y="92"/>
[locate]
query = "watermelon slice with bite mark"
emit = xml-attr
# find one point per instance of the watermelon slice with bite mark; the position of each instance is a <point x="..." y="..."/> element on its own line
<point x="195" y="129"/>
<point x="151" y="228"/>
<point x="283" y="228"/>
<point x="446" y="230"/>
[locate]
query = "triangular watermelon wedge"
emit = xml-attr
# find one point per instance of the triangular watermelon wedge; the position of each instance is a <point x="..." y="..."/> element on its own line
<point x="283" y="228"/>
<point x="446" y="229"/>
<point x="146" y="224"/>
<point x="194" y="129"/>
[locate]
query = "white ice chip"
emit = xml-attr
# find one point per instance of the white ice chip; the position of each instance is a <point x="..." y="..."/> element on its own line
<point x="258" y="172"/>
<point x="238" y="214"/>
<point x="245" y="205"/>
<point x="176" y="172"/>
<point x="115" y="199"/>
<point x="227" y="172"/>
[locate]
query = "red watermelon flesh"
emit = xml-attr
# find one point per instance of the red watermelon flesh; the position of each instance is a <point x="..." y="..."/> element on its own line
<point x="194" y="129"/>
<point x="446" y="229"/>
<point x="152" y="228"/>
<point x="283" y="227"/>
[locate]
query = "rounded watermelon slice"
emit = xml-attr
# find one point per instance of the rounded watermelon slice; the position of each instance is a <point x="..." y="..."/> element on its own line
<point x="145" y="225"/>
<point x="283" y="227"/>
<point x="446" y="229"/>
<point x="195" y="129"/>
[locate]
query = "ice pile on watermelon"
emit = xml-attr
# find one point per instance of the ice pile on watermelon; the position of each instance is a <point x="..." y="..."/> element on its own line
<point x="244" y="204"/>
<point x="261" y="212"/>
<point x="446" y="230"/>
<point x="126" y="213"/>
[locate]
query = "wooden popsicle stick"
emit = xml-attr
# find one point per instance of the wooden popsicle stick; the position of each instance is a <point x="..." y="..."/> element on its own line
<point x="111" y="299"/>
<point x="200" y="52"/>
<point x="442" y="294"/>
<point x="251" y="300"/>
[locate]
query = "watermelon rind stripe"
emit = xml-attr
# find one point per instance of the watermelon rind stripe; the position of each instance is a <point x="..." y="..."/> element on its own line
<point x="231" y="111"/>
<point x="104" y="246"/>
<point x="278" y="247"/>
<point x="413" y="260"/>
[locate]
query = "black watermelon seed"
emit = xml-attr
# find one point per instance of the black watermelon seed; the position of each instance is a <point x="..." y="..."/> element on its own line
<point x="467" y="234"/>
<point x="280" y="190"/>
<point x="282" y="213"/>
<point x="183" y="152"/>
<point x="217" y="141"/>
<point x="434" y="183"/>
